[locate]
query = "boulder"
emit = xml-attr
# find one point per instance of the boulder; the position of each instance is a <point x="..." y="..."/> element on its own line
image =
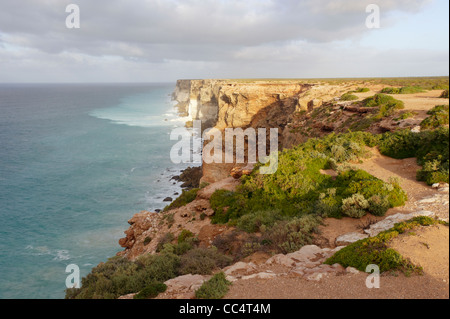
<point x="350" y="238"/>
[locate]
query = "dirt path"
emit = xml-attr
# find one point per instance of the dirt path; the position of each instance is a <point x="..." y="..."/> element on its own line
<point x="419" y="193"/>
<point x="340" y="287"/>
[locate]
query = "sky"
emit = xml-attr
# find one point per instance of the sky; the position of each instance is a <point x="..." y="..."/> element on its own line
<point x="165" y="40"/>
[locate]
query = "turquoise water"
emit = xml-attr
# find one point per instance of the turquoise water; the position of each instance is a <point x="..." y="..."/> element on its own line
<point x="76" y="163"/>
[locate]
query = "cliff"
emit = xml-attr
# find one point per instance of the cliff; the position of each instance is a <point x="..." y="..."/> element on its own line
<point x="243" y="103"/>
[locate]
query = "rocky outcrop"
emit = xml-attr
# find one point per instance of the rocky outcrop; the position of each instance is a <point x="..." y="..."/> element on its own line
<point x="147" y="230"/>
<point x="242" y="104"/>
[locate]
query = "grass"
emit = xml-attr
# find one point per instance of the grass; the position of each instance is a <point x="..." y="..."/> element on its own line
<point x="375" y="250"/>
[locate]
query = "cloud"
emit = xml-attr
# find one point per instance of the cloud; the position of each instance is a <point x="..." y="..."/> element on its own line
<point x="200" y="35"/>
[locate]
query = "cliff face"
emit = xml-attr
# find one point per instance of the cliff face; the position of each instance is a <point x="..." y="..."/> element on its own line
<point x="259" y="104"/>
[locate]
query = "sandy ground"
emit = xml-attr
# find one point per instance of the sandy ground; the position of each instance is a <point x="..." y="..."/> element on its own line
<point x="427" y="247"/>
<point x="341" y="287"/>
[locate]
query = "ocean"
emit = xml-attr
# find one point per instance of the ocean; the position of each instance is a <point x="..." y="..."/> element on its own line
<point x="77" y="161"/>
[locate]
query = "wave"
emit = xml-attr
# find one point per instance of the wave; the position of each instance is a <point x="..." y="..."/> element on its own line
<point x="142" y="110"/>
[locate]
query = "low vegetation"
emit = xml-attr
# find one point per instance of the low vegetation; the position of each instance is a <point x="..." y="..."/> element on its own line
<point x="387" y="105"/>
<point x="349" y="97"/>
<point x="120" y="276"/>
<point x="431" y="148"/>
<point x="403" y="90"/>
<point x="375" y="250"/>
<point x="185" y="198"/>
<point x="438" y="117"/>
<point x="215" y="288"/>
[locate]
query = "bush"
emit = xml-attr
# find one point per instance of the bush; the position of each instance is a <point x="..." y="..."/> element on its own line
<point x="349" y="97"/>
<point x="378" y="205"/>
<point x="390" y="91"/>
<point x="215" y="288"/>
<point x="203" y="261"/>
<point x="439" y="116"/>
<point x="151" y="291"/>
<point x="185" y="198"/>
<point x="290" y="236"/>
<point x="386" y="104"/>
<point x="329" y="204"/>
<point x="355" y="206"/>
<point x="440" y="87"/>
<point x="185" y="234"/>
<point x="431" y="148"/>
<point x="406" y="115"/>
<point x="444" y="94"/>
<point x="258" y="221"/>
<point x="362" y="90"/>
<point x="119" y="276"/>
<point x="403" y="90"/>
<point x="166" y="239"/>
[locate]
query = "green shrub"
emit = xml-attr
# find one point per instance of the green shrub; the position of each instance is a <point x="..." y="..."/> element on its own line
<point x="431" y="148"/>
<point x="185" y="198"/>
<point x="151" y="291"/>
<point x="362" y="90"/>
<point x="329" y="204"/>
<point x="433" y="172"/>
<point x="355" y="206"/>
<point x="159" y="268"/>
<point x="386" y="104"/>
<point x="440" y="87"/>
<point x="215" y="288"/>
<point x="406" y="115"/>
<point x="411" y="90"/>
<point x="185" y="234"/>
<point x="391" y="91"/>
<point x="379" y="205"/>
<point x="259" y="221"/>
<point x="203" y="261"/>
<point x="119" y="276"/>
<point x="166" y="239"/>
<point x="290" y="236"/>
<point x="444" y="94"/>
<point x="178" y="249"/>
<point x="403" y="90"/>
<point x="349" y="97"/>
<point x="439" y="116"/>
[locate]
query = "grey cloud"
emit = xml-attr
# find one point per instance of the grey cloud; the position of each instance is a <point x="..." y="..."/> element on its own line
<point x="205" y="23"/>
